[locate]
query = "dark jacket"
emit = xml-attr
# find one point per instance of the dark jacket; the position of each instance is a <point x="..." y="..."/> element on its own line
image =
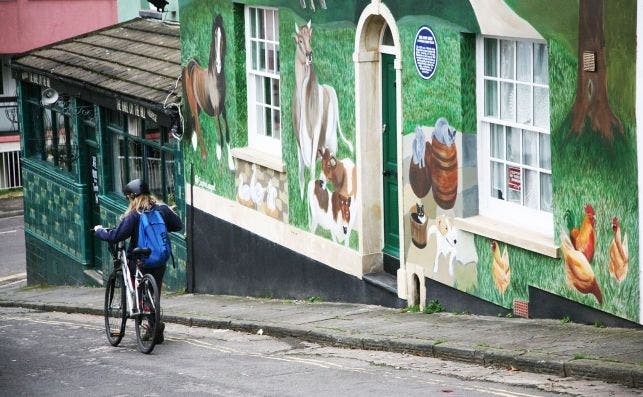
<point x="128" y="228"/>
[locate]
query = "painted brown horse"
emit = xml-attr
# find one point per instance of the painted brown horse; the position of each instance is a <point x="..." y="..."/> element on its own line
<point x="205" y="91"/>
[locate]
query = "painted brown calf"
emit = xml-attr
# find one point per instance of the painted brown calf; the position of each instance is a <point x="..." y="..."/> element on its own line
<point x="329" y="210"/>
<point x="341" y="173"/>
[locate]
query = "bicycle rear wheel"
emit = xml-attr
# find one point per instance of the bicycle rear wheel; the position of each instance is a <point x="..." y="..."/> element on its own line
<point x="148" y="322"/>
<point x="115" y="308"/>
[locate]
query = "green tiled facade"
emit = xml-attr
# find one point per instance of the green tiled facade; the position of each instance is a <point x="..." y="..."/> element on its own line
<point x="48" y="265"/>
<point x="55" y="211"/>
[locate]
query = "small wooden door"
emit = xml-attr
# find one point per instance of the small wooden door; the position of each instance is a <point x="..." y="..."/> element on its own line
<point x="389" y="158"/>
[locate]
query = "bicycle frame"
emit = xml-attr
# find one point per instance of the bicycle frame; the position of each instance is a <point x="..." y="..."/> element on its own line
<point x="133" y="307"/>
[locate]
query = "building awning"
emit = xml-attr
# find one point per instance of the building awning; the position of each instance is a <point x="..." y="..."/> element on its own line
<point x="496" y="18"/>
<point x="138" y="61"/>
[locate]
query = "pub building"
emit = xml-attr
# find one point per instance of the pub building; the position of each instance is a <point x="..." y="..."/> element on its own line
<point x="97" y="111"/>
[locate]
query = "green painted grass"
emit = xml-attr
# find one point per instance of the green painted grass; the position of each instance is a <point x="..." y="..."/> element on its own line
<point x="424" y="101"/>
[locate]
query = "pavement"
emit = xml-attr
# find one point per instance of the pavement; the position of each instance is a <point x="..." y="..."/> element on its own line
<point x="534" y="345"/>
<point x="11" y="206"/>
<point x="544" y="346"/>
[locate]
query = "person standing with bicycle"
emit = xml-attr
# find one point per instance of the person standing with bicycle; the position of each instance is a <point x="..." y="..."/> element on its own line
<point x="141" y="200"/>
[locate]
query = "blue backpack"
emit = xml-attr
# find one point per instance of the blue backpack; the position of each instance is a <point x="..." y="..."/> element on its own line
<point x="152" y="233"/>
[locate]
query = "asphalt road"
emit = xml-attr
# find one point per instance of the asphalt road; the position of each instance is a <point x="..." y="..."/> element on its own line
<point x="58" y="354"/>
<point x="12" y="246"/>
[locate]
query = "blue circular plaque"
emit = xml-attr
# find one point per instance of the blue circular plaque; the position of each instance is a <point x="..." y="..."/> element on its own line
<point x="425" y="52"/>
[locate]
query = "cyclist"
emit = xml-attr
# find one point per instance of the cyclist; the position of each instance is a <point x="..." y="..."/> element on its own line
<point x="140" y="199"/>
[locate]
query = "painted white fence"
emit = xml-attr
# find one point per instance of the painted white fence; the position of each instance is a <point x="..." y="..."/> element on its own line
<point x="10" y="176"/>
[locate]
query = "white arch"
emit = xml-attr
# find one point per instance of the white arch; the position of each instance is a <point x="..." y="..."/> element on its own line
<point x="368" y="135"/>
<point x="377" y="8"/>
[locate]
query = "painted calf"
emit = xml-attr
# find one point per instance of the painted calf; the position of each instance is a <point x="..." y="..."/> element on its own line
<point x="341" y="173"/>
<point x="329" y="210"/>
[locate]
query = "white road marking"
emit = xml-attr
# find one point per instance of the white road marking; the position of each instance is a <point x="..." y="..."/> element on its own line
<point x="13" y="277"/>
<point x="13" y="283"/>
<point x="8" y="231"/>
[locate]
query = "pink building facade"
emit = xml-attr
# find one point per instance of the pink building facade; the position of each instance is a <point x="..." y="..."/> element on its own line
<point x="30" y="24"/>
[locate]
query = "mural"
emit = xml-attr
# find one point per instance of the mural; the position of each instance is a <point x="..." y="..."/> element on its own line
<point x="590" y="50"/>
<point x="205" y="90"/>
<point x="619" y="253"/>
<point x="264" y="190"/>
<point x="500" y="267"/>
<point x="315" y="119"/>
<point x="315" y="113"/>
<point x="431" y="158"/>
<point x="594" y="162"/>
<point x="322" y="4"/>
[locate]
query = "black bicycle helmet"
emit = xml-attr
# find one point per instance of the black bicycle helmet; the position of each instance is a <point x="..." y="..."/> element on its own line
<point x="136" y="188"/>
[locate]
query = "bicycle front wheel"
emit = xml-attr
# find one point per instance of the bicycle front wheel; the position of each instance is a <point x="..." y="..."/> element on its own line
<point x="148" y="322"/>
<point x="115" y="308"/>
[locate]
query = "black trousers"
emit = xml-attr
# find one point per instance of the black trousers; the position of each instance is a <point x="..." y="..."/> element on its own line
<point x="156" y="272"/>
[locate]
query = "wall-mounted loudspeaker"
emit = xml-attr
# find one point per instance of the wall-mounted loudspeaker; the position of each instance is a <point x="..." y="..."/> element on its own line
<point x="49" y="96"/>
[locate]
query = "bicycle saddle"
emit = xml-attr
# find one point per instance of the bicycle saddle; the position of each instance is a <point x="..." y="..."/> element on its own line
<point x="141" y="251"/>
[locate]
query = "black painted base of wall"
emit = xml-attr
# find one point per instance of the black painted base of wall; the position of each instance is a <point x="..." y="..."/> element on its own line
<point x="231" y="260"/>
<point x="543" y="304"/>
<point x="456" y="301"/>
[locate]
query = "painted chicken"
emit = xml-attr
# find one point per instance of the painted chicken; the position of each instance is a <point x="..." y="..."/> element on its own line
<point x="579" y="273"/>
<point x="500" y="267"/>
<point x="619" y="255"/>
<point x="583" y="238"/>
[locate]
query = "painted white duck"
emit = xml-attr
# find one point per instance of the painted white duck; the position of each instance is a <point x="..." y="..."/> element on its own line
<point x="243" y="191"/>
<point x="271" y="198"/>
<point x="256" y="189"/>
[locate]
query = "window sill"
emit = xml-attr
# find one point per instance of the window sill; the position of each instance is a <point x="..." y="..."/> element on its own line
<point x="258" y="157"/>
<point x="510" y="234"/>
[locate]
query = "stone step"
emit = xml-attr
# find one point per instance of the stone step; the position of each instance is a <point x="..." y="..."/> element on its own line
<point x="383" y="280"/>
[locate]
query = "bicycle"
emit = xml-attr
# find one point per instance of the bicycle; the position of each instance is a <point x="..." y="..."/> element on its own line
<point x="139" y="301"/>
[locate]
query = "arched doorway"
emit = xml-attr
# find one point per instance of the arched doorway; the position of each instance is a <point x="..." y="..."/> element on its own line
<point x="378" y="93"/>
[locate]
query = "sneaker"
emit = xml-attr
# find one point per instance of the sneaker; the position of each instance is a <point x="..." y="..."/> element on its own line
<point x="159" y="334"/>
<point x="146" y="335"/>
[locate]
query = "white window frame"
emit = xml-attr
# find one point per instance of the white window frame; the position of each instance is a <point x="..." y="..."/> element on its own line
<point x="519" y="215"/>
<point x="271" y="145"/>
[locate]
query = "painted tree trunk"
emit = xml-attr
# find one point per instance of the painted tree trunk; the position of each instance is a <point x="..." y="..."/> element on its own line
<point x="591" y="94"/>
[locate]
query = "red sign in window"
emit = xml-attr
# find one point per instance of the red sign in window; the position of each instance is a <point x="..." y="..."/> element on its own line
<point x="515" y="178"/>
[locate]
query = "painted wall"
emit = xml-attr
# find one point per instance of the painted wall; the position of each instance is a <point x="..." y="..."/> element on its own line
<point x="594" y="184"/>
<point x="592" y="166"/>
<point x="273" y="193"/>
<point x="30" y="24"/>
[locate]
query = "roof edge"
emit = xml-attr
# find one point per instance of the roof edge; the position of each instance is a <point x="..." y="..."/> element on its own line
<point x="496" y="18"/>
